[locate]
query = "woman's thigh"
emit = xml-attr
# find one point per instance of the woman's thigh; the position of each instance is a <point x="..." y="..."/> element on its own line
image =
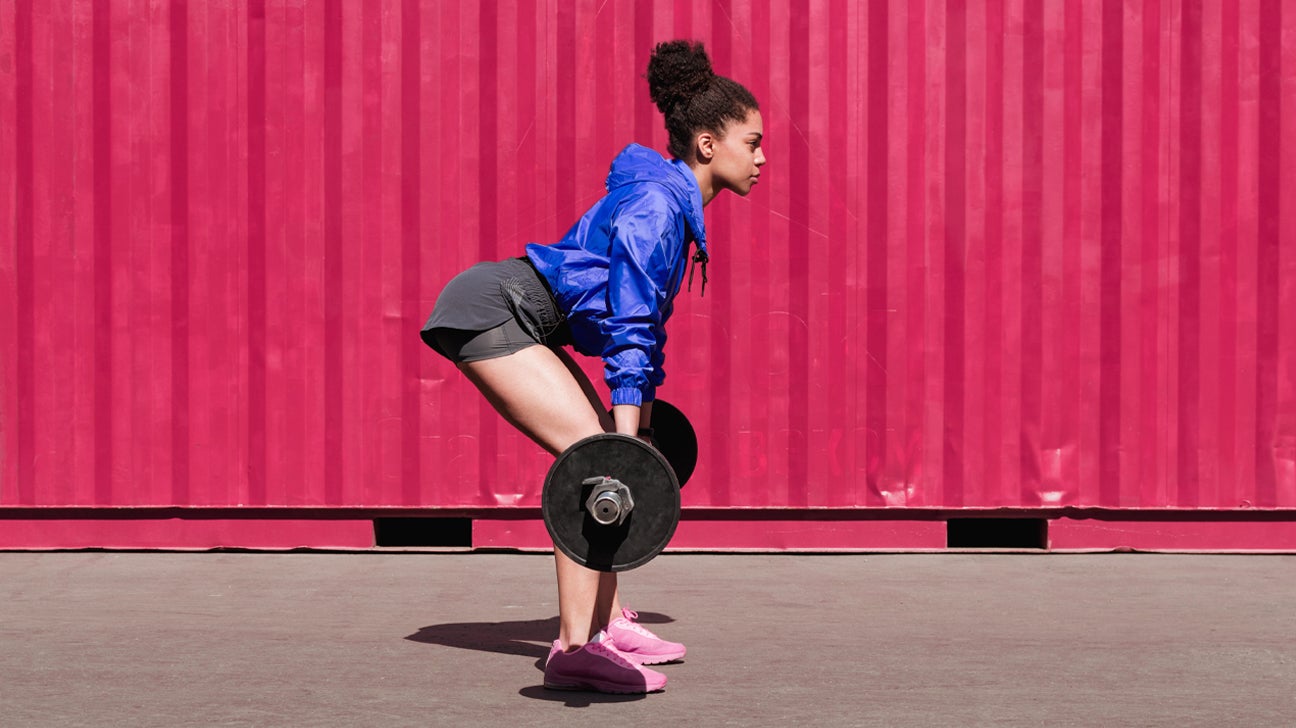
<point x="536" y="391"/>
<point x="587" y="387"/>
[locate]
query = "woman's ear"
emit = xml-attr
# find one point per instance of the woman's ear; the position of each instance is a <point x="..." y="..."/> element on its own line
<point x="704" y="146"/>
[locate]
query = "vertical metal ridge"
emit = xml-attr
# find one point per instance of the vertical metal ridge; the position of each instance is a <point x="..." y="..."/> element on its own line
<point x="179" y="243"/>
<point x="24" y="372"/>
<point x="257" y="290"/>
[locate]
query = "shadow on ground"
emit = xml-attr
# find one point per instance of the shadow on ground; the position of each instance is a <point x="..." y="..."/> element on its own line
<point x="524" y="638"/>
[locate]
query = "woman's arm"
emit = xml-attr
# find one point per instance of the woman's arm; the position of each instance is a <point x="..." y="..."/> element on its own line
<point x="631" y="419"/>
<point x="645" y="234"/>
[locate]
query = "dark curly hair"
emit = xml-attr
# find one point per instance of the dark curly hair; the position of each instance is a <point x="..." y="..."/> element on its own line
<point x="691" y="96"/>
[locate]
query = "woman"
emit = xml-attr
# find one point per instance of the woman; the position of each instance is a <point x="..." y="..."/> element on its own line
<point x="607" y="289"/>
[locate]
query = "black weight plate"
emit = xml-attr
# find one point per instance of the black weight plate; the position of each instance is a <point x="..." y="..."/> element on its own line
<point x="650" y="524"/>
<point x="675" y="438"/>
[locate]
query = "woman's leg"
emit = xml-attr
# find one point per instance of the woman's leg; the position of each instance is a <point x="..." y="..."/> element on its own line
<point x="608" y="606"/>
<point x="536" y="391"/>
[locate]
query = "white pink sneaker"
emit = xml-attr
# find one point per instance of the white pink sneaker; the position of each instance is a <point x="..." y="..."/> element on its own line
<point x="598" y="666"/>
<point x="640" y="646"/>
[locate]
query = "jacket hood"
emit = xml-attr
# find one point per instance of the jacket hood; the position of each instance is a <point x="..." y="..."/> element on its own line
<point x="636" y="164"/>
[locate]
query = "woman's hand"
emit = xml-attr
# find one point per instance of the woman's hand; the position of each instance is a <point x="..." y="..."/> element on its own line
<point x="634" y="421"/>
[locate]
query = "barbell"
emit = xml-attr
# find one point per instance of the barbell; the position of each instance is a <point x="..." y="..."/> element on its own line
<point x="611" y="502"/>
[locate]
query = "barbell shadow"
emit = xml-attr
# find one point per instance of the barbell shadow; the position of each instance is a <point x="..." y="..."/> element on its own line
<point x="526" y="638"/>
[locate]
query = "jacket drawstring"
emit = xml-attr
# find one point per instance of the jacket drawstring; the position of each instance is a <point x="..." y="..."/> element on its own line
<point x="699" y="257"/>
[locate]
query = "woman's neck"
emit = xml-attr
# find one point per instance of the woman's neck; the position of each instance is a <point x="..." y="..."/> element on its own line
<point x="705" y="181"/>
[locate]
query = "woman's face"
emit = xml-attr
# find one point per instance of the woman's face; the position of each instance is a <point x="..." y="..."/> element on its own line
<point x="737" y="156"/>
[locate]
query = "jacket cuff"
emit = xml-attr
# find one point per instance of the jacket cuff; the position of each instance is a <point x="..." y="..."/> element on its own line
<point x="627" y="395"/>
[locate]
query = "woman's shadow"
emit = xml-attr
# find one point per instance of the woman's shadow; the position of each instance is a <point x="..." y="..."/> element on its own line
<point x="526" y="638"/>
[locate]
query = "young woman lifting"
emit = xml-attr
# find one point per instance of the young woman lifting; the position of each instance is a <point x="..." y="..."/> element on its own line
<point x="607" y="289"/>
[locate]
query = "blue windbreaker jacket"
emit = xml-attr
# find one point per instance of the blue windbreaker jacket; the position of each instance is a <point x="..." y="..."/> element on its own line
<point x="615" y="274"/>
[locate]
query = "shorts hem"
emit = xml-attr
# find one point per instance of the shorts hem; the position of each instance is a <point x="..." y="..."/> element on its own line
<point x="486" y="356"/>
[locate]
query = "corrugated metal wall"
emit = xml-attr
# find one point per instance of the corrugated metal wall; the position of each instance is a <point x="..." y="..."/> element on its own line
<point x="1025" y="255"/>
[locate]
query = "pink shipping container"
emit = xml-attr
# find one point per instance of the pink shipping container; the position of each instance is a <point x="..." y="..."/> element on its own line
<point x="1008" y="259"/>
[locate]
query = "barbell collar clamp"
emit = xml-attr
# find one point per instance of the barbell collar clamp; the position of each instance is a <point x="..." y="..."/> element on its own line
<point x="609" y="502"/>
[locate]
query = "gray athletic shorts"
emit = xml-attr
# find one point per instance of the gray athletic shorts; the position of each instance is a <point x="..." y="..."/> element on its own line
<point x="495" y="309"/>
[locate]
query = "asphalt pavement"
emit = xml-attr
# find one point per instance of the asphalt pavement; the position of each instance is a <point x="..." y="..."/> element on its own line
<point x="440" y="639"/>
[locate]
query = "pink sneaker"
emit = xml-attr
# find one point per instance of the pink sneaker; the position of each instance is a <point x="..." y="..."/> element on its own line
<point x="600" y="667"/>
<point x="638" y="644"/>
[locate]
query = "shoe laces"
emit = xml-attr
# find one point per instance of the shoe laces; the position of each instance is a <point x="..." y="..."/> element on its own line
<point x="630" y="616"/>
<point x="611" y="653"/>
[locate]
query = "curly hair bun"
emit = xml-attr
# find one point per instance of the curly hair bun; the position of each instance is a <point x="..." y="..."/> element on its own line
<point x="677" y="71"/>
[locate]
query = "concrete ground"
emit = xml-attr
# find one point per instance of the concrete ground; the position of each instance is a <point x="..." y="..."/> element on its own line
<point x="238" y="639"/>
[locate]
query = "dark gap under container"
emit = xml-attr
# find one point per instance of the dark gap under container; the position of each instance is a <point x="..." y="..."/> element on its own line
<point x="996" y="533"/>
<point x="412" y="532"/>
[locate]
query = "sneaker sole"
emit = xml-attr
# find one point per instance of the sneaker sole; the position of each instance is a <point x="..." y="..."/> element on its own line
<point x="663" y="661"/>
<point x="655" y="660"/>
